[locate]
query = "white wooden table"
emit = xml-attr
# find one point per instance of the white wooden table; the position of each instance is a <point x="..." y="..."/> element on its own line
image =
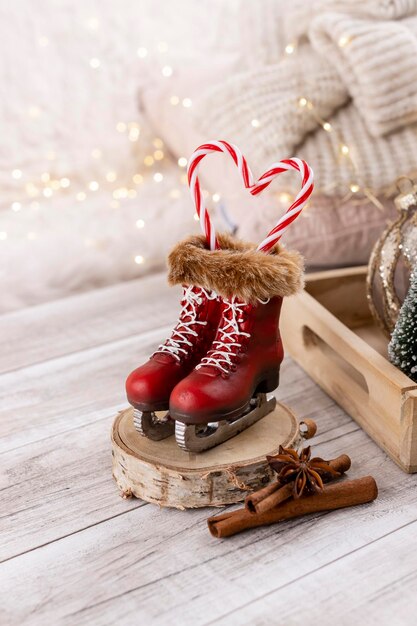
<point x="73" y="552"/>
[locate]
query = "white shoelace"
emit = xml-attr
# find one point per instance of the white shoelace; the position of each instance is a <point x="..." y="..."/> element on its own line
<point x="225" y="348"/>
<point x="176" y="346"/>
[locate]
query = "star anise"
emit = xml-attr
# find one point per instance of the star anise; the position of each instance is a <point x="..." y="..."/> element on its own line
<point x="306" y="473"/>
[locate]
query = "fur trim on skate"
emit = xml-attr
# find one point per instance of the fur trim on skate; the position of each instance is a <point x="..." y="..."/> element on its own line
<point x="238" y="269"/>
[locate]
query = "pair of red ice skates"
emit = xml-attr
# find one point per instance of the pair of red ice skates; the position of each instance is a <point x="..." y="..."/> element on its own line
<point x="212" y="375"/>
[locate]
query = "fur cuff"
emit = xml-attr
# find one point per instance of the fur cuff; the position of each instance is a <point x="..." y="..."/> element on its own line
<point x="238" y="269"/>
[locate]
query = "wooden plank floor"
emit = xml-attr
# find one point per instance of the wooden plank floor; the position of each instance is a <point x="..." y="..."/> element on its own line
<point x="73" y="552"/>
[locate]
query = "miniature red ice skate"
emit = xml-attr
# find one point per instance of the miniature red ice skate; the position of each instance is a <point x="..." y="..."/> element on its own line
<point x="149" y="386"/>
<point x="226" y="392"/>
<point x="220" y="388"/>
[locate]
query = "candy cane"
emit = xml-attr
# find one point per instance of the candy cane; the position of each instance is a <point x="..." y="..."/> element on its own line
<point x="194" y="183"/>
<point x="296" y="207"/>
<point x="255" y="188"/>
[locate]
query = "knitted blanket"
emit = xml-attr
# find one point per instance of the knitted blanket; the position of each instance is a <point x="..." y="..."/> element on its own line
<point x="343" y="95"/>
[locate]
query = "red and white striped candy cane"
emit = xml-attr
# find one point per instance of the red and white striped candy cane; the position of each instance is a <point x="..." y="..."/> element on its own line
<point x="296" y="207"/>
<point x="194" y="183"/>
<point x="255" y="188"/>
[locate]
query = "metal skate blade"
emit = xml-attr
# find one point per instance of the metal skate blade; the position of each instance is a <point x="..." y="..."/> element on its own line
<point x="154" y="425"/>
<point x="192" y="438"/>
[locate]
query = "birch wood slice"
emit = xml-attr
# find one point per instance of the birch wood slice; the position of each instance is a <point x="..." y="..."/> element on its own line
<point x="162" y="473"/>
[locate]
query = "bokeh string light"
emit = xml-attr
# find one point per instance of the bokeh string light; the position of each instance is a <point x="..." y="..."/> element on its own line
<point x="33" y="194"/>
<point x="346" y="152"/>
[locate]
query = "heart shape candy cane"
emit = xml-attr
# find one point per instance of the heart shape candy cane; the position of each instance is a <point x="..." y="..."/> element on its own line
<point x="254" y="187"/>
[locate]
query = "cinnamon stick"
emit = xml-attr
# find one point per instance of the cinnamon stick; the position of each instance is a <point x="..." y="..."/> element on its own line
<point x="264" y="500"/>
<point x="259" y="503"/>
<point x="334" y="496"/>
<point x="308" y="428"/>
<point x="261" y="494"/>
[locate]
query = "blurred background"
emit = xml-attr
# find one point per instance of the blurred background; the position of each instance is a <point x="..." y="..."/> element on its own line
<point x="103" y="102"/>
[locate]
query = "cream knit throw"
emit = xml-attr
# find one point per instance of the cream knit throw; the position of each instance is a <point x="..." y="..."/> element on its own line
<point x="358" y="67"/>
<point x="378" y="66"/>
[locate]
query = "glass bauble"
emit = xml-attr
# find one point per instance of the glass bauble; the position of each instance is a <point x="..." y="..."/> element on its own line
<point x="391" y="262"/>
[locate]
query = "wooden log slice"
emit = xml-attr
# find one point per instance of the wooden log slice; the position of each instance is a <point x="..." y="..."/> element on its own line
<point x="162" y="473"/>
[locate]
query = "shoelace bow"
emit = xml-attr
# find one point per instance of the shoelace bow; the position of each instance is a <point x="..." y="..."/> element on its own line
<point x="175" y="345"/>
<point x="224" y="349"/>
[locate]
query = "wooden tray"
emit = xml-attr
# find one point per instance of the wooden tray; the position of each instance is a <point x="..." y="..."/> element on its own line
<point x="328" y="329"/>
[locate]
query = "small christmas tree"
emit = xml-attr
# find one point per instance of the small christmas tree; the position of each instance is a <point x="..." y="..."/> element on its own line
<point x="402" y="350"/>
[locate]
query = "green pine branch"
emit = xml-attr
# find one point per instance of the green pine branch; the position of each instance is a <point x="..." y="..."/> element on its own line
<point x="402" y="349"/>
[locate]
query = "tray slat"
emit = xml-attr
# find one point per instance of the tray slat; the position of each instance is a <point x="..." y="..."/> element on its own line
<point x="341" y="356"/>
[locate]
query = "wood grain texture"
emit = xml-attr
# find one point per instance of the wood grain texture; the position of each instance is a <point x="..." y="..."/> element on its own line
<point x="84" y="321"/>
<point x="78" y="554"/>
<point x="328" y="330"/>
<point x="39" y="401"/>
<point x="59" y="466"/>
<point x="384" y="593"/>
<point x="161" y="473"/>
<point x="132" y="560"/>
<point x="55" y="487"/>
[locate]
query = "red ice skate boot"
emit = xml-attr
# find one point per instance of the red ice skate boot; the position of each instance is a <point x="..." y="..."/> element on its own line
<point x="226" y="392"/>
<point x="149" y="387"/>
